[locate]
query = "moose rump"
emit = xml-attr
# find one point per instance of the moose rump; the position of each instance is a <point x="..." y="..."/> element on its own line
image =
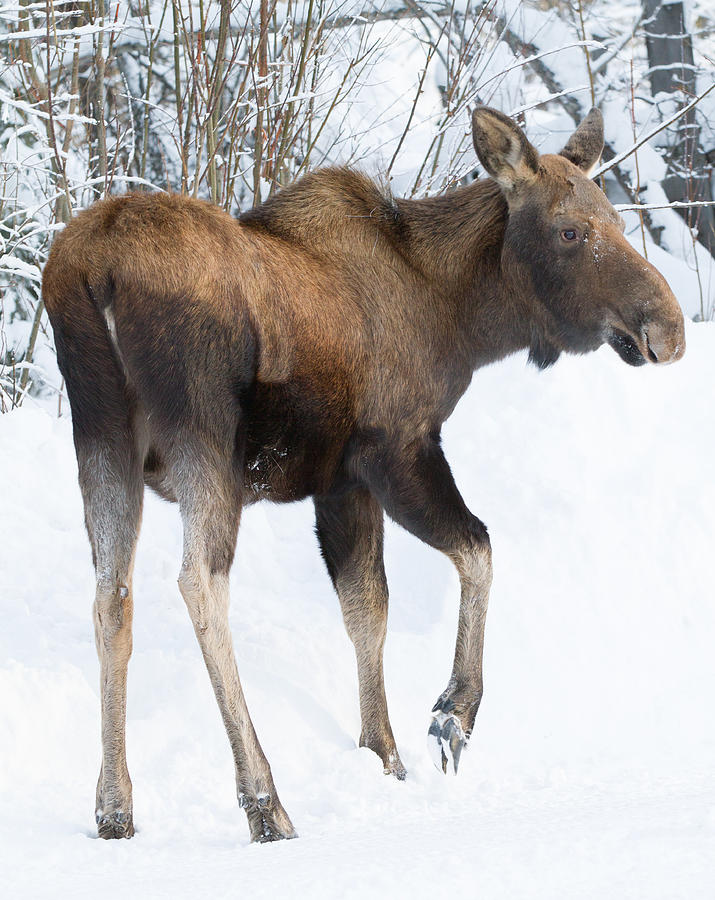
<point x="314" y="347"/>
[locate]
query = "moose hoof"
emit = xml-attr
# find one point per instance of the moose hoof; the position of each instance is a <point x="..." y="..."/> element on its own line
<point x="446" y="740"/>
<point x="111" y="826"/>
<point x="267" y="820"/>
<point x="387" y="751"/>
<point x="394" y="767"/>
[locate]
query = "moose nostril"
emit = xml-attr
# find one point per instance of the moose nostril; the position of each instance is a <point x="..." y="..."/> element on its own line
<point x="652" y="355"/>
<point x="663" y="344"/>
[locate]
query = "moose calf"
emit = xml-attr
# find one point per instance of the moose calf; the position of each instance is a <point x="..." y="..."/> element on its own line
<point x="313" y="347"/>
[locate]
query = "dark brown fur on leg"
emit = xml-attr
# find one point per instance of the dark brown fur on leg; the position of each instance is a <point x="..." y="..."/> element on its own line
<point x="414" y="483"/>
<point x="350" y="532"/>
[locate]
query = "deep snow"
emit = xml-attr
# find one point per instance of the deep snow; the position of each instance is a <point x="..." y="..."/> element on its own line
<point x="590" y="773"/>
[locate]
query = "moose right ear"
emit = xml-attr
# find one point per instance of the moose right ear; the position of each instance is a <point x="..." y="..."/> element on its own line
<point x="585" y="145"/>
<point x="503" y="148"/>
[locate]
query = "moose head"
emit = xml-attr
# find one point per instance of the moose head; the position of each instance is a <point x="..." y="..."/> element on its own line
<point x="564" y="243"/>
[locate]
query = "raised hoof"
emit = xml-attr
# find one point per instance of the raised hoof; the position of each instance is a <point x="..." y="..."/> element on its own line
<point x="446" y="740"/>
<point x="111" y="826"/>
<point x="267" y="820"/>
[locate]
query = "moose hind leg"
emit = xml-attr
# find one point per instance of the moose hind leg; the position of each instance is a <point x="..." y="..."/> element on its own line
<point x="416" y="488"/>
<point x="112" y="489"/>
<point x="350" y="532"/>
<point x="210" y="509"/>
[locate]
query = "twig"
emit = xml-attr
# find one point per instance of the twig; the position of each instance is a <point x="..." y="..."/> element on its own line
<point x="674" y="204"/>
<point x="617" y="160"/>
<point x="418" y="92"/>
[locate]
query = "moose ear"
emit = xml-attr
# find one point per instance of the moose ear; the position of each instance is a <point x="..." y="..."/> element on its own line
<point x="502" y="148"/>
<point x="585" y="145"/>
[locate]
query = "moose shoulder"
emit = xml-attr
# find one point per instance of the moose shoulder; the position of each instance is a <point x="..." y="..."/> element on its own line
<point x="314" y="347"/>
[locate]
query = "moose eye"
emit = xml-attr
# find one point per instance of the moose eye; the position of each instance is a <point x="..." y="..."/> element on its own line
<point x="569" y="235"/>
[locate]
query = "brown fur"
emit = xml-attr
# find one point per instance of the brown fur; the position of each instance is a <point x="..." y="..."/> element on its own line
<point x="314" y="347"/>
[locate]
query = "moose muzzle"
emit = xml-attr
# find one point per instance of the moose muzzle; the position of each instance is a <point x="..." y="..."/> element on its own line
<point x="647" y="323"/>
<point x="660" y="340"/>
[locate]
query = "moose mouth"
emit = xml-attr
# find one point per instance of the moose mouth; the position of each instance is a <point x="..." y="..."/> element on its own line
<point x="627" y="348"/>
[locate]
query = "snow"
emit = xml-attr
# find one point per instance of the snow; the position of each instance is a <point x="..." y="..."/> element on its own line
<point x="590" y="772"/>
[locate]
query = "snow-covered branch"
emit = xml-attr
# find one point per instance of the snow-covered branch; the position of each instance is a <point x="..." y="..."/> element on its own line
<point x="652" y="133"/>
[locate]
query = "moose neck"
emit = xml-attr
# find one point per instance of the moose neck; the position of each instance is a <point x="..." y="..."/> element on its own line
<point x="455" y="241"/>
<point x="452" y="243"/>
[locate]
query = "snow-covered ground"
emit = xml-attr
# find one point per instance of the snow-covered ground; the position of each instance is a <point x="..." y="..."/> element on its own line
<point x="591" y="773"/>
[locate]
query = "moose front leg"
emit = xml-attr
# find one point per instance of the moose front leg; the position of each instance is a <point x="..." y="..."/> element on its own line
<point x="415" y="486"/>
<point x="456" y="708"/>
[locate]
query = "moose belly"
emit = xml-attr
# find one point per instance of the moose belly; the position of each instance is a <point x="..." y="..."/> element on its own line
<point x="294" y="443"/>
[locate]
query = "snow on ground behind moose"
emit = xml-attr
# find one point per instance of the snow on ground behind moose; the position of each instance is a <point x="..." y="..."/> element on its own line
<point x="590" y="773"/>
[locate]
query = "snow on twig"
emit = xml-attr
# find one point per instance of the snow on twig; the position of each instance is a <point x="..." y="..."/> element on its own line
<point x="674" y="204"/>
<point x="644" y="140"/>
<point x="30" y="108"/>
<point x="77" y="31"/>
<point x="575" y="90"/>
<point x="537" y="56"/>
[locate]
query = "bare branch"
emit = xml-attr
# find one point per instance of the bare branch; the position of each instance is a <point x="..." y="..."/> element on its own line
<point x="651" y="134"/>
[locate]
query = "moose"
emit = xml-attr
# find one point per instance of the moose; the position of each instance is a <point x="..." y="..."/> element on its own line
<point x="313" y="347"/>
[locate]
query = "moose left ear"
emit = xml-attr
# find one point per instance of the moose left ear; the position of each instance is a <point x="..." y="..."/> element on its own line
<point x="585" y="145"/>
